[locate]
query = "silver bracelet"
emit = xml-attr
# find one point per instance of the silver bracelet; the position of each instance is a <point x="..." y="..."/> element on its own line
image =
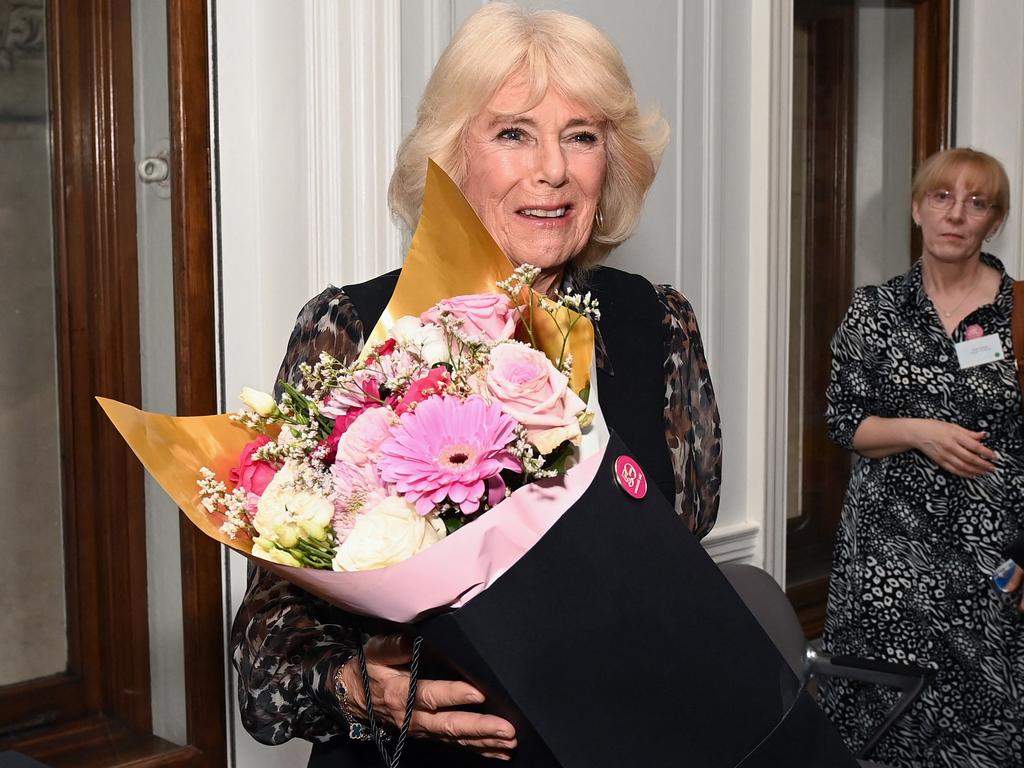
<point x="357" y="730"/>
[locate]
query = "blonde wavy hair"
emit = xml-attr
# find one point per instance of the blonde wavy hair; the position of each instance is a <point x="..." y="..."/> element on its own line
<point x="548" y="49"/>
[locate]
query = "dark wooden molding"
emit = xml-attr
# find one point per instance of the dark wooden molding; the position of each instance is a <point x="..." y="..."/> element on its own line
<point x="98" y="714"/>
<point x="829" y="269"/>
<point x="931" y="78"/>
<point x="932" y="30"/>
<point x="92" y="102"/>
<point x="828" y="276"/>
<point x="195" y="353"/>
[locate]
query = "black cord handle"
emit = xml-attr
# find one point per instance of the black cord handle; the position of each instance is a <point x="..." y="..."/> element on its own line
<point x="380" y="738"/>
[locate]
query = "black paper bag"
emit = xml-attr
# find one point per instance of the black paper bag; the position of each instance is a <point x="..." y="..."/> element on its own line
<point x="616" y="641"/>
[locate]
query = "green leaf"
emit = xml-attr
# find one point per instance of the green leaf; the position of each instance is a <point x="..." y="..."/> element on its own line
<point x="557" y="459"/>
<point x="453" y="523"/>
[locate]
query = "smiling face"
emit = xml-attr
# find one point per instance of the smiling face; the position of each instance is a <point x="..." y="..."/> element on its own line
<point x="534" y="176"/>
<point x="954" y="236"/>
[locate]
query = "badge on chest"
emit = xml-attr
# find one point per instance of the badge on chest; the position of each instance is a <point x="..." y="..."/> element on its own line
<point x="979" y="351"/>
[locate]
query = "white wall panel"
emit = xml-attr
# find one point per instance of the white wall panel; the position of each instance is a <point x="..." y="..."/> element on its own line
<point x="990" y="103"/>
<point x="264" y="250"/>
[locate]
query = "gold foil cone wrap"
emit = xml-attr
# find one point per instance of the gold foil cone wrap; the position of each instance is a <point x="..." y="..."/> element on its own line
<point x="175" y="448"/>
<point x="452" y="254"/>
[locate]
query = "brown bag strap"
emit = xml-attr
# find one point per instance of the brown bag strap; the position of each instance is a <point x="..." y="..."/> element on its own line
<point x="1017" y="333"/>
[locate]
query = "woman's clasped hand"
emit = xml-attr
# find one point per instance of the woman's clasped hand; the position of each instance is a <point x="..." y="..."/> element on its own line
<point x="438" y="707"/>
<point x="954" y="448"/>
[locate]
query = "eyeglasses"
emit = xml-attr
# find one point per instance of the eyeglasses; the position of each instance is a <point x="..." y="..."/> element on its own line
<point x="976" y="206"/>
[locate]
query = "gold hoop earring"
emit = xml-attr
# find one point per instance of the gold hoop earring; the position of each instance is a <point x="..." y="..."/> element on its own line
<point x="598" y="217"/>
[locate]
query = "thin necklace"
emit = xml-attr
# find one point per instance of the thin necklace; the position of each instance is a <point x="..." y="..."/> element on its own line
<point x="949" y="313"/>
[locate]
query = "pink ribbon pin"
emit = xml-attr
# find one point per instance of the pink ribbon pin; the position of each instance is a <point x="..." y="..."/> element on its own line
<point x="974" y="331"/>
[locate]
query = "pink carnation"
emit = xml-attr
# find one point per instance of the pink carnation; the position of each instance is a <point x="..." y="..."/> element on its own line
<point x="356" y="487"/>
<point x="448" y="448"/>
<point x="490" y="315"/>
<point x="536" y="394"/>
<point x="364" y="393"/>
<point x="362" y="440"/>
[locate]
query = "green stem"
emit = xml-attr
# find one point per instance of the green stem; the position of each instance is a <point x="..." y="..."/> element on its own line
<point x="565" y="339"/>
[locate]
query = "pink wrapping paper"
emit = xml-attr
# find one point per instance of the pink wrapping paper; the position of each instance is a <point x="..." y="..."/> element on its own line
<point x="448" y="574"/>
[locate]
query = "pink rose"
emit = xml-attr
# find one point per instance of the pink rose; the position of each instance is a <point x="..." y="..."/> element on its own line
<point x="254" y="476"/>
<point x="362" y="440"/>
<point x="533" y="392"/>
<point x="434" y="383"/>
<point x="490" y="315"/>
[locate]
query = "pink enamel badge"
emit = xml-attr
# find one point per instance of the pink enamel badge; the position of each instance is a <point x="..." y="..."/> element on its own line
<point x="974" y="331"/>
<point x="630" y="477"/>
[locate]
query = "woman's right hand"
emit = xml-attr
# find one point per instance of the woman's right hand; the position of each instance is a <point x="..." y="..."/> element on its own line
<point x="436" y="712"/>
<point x="954" y="448"/>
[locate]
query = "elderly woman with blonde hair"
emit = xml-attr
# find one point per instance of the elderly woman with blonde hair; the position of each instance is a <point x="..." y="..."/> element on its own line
<point x="533" y="115"/>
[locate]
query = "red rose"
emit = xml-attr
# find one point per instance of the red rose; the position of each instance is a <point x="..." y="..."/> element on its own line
<point x="254" y="476"/>
<point x="383" y="350"/>
<point x="434" y="383"/>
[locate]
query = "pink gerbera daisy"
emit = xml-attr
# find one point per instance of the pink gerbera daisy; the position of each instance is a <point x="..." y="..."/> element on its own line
<point x="448" y="447"/>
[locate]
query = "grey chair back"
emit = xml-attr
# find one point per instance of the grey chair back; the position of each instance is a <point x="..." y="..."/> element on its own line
<point x="765" y="599"/>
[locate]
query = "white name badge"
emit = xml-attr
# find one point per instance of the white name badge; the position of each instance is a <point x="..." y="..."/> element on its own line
<point x="987" y="349"/>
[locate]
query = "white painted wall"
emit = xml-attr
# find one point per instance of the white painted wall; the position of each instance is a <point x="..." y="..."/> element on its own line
<point x="312" y="103"/>
<point x="156" y="315"/>
<point x="990" y="103"/>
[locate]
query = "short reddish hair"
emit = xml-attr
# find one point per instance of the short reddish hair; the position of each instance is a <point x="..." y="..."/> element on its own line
<point x="985" y="174"/>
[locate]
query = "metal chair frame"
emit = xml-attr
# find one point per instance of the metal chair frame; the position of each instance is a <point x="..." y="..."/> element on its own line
<point x="770" y="606"/>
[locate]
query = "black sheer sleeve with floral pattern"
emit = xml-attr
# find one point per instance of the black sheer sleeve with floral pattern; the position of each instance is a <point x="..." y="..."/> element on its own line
<point x="287" y="644"/>
<point x="693" y="429"/>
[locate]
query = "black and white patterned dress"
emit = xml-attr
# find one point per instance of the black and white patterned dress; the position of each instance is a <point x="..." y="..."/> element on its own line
<point x="916" y="545"/>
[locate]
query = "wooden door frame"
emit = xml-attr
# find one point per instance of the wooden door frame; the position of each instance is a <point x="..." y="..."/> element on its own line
<point x="98" y="713"/>
<point x="831" y="188"/>
<point x="192" y="227"/>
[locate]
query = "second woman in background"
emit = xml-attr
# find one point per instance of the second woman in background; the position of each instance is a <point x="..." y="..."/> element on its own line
<point x="938" y="491"/>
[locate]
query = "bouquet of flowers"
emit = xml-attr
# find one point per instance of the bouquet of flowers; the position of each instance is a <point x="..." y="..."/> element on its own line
<point x="375" y="461"/>
<point x="472" y="394"/>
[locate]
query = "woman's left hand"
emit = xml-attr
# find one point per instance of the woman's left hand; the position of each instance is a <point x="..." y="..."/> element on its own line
<point x="438" y="711"/>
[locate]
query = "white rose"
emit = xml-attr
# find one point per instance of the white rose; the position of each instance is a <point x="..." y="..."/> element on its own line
<point x="388" y="533"/>
<point x="261" y="402"/>
<point x="286" y="513"/>
<point x="427" y="341"/>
